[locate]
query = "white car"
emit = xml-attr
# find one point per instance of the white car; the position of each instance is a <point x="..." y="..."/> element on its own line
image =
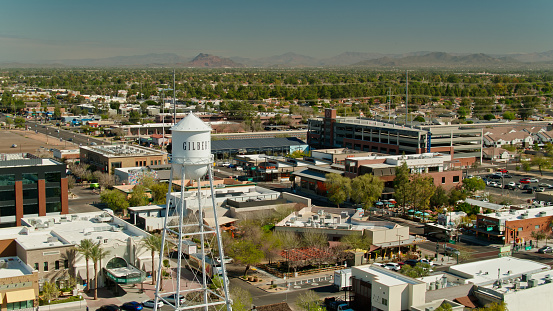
<point x="225" y="164"/>
<point x="150" y="303"/>
<point x="378" y="264"/>
<point x="392" y="266"/>
<point x="493" y="184"/>
<point x="171" y="299"/>
<point x="498" y="185"/>
<point x="426" y="261"/>
<point x="533" y="180"/>
<point x="226" y="260"/>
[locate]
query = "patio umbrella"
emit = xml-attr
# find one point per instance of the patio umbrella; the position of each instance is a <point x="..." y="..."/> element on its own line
<point x="379" y="203"/>
<point x="410" y="211"/>
<point x="418" y="212"/>
<point x="392" y="201"/>
<point x="426" y="214"/>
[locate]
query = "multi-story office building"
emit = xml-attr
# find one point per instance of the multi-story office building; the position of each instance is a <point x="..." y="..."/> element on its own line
<point x="31" y="186"/>
<point x="108" y="158"/>
<point x="463" y="143"/>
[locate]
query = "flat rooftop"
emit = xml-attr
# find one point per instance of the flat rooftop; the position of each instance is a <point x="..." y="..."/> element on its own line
<point x="528" y="213"/>
<point x="66" y="230"/>
<point x="385" y="276"/>
<point x="24" y="159"/>
<point x="488" y="271"/>
<point x="123" y="150"/>
<point x="13" y="267"/>
<point x="334" y="218"/>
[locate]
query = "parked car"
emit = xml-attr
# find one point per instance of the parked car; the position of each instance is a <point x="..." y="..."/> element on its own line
<point x="411" y="262"/>
<point x="524" y="181"/>
<point x="498" y="185"/>
<point x="378" y="264"/>
<point x="426" y="261"/>
<point x="545" y="249"/>
<point x="542" y="184"/>
<point x="132" y="306"/>
<point x="512" y="185"/>
<point x="533" y="180"/>
<point x="451" y="251"/>
<point x="225" y="164"/>
<point x="502" y="170"/>
<point x="392" y="266"/>
<point x="108" y="308"/>
<point x="226" y="260"/>
<point x="507" y="176"/>
<point x="150" y="303"/>
<point x="172" y="298"/>
<point x="540" y="189"/>
<point x="494" y="176"/>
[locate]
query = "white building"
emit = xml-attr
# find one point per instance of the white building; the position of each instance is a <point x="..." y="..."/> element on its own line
<point x="47" y="244"/>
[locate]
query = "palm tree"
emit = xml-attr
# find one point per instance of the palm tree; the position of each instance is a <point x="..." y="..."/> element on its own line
<point x="97" y="254"/>
<point x="153" y="244"/>
<point x="85" y="248"/>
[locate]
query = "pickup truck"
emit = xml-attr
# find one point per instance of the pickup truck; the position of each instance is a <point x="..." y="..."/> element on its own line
<point x="332" y="304"/>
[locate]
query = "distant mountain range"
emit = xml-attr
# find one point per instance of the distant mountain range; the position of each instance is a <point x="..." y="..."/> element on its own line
<point x="422" y="59"/>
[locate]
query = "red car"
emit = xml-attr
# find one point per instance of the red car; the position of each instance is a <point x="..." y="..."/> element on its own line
<point x="525" y="181"/>
<point x="502" y="170"/>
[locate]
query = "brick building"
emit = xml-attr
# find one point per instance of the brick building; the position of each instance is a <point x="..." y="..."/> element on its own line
<point x="438" y="166"/>
<point x="108" y="158"/>
<point x="31" y="186"/>
<point x="513" y="226"/>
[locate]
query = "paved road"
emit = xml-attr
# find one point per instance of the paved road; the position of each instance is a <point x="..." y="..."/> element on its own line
<point x="61" y="134"/>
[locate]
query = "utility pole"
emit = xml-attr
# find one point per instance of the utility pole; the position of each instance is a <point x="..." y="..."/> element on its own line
<point x="406" y="96"/>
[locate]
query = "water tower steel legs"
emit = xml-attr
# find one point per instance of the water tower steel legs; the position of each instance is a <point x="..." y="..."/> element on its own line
<point x="163" y="238"/>
<point x="219" y="238"/>
<point x="167" y="229"/>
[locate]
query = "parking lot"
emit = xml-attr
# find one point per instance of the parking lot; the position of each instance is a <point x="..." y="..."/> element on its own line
<point x="510" y="186"/>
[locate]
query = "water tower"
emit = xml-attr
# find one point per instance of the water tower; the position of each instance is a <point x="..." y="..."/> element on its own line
<point x="197" y="247"/>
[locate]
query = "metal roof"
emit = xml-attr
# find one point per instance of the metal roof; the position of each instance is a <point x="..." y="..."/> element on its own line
<point x="255" y="143"/>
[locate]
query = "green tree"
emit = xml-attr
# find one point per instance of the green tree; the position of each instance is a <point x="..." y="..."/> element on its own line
<point x="134" y="116"/>
<point x="97" y="254"/>
<point x="85" y="248"/>
<point x="419" y="270"/>
<point x="152" y="243"/>
<point x="159" y="192"/>
<point x="401" y="184"/>
<point x="241" y="299"/>
<point x="356" y="241"/>
<point x="311" y="239"/>
<point x="366" y="189"/>
<point x="309" y="301"/>
<point x="50" y="291"/>
<point x="138" y="196"/>
<point x="494" y="306"/>
<point x="246" y="253"/>
<point x="473" y="184"/>
<point x="115" y="200"/>
<point x="508" y="115"/>
<point x="422" y="189"/>
<point x="57" y="112"/>
<point x="541" y="162"/>
<point x="440" y="197"/>
<point x="444" y="307"/>
<point x="419" y="119"/>
<point x="339" y="188"/>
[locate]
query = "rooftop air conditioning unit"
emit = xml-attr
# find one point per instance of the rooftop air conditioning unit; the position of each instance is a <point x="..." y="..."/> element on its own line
<point x="532" y="283"/>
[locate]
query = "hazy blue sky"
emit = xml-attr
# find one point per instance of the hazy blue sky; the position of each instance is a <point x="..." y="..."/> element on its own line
<point x="33" y="30"/>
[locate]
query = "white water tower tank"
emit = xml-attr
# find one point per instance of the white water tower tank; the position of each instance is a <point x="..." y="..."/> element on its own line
<point x="191" y="144"/>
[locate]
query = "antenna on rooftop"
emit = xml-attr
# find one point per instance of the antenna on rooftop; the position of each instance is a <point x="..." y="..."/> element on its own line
<point x="174" y="103"/>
